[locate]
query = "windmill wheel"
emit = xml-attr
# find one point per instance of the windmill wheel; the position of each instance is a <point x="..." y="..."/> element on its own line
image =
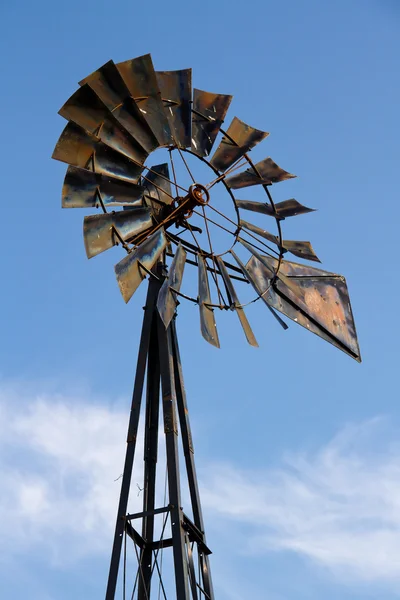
<point x="118" y="117"/>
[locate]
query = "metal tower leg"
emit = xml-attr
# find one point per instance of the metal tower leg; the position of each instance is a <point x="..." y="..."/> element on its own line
<point x="159" y="354"/>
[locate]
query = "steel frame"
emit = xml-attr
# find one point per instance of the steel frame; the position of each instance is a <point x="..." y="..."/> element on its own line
<point x="159" y="364"/>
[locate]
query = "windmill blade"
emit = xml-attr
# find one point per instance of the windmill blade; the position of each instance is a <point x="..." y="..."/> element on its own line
<point x="234" y="300"/>
<point x="86" y="110"/>
<point x="259" y="290"/>
<point x="287" y="208"/>
<point x="298" y="248"/>
<point x="101" y="232"/>
<point x="176" y="93"/>
<point x="207" y="321"/>
<point x="157" y="188"/>
<point x="82" y="189"/>
<point x="128" y="271"/>
<point x="328" y="311"/>
<point x="261" y="232"/>
<point x="267" y="172"/>
<point x="301" y="249"/>
<point x="292" y="269"/>
<point x="288" y="286"/>
<point x="141" y="80"/>
<point x="208" y="114"/>
<point x="109" y="86"/>
<point x="166" y="302"/>
<point x="79" y="148"/>
<point x="239" y="139"/>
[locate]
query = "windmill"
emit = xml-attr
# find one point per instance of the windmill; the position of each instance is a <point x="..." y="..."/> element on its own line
<point x="117" y="118"/>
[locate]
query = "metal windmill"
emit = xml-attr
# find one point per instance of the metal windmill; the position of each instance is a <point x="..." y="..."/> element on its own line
<point x="119" y="115"/>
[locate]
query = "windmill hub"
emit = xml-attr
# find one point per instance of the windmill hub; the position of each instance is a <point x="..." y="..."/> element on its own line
<point x="198" y="195"/>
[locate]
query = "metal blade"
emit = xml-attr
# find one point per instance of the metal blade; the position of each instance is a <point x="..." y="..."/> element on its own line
<point x="268" y="172"/>
<point x="287" y="208"/>
<point x="86" y="110"/>
<point x="328" y="312"/>
<point x="158" y="190"/>
<point x="82" y="188"/>
<point x="301" y="249"/>
<point x="208" y="114"/>
<point x="128" y="271"/>
<point x="291" y="269"/>
<point x="261" y="232"/>
<point x="176" y="93"/>
<point x="286" y="285"/>
<point x="141" y="80"/>
<point x="298" y="248"/>
<point x="259" y="290"/>
<point x="109" y="86"/>
<point x="207" y="321"/>
<point x="234" y="300"/>
<point x="166" y="302"/>
<point x="80" y="148"/>
<point x="101" y="232"/>
<point x="239" y="139"/>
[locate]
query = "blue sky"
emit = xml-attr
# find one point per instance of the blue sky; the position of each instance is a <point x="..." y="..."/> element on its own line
<point x="297" y="445"/>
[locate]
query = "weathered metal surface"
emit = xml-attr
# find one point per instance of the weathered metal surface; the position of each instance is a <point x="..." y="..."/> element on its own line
<point x="157" y="188"/>
<point x="167" y="302"/>
<point x="235" y="303"/>
<point x="101" y="232"/>
<point x="261" y="290"/>
<point x="141" y="80"/>
<point x="327" y="311"/>
<point x="79" y="148"/>
<point x="207" y="321"/>
<point x="292" y="269"/>
<point x="206" y="125"/>
<point x="86" y="110"/>
<point x="109" y="86"/>
<point x="239" y="139"/>
<point x="298" y="248"/>
<point x="128" y="272"/>
<point x="268" y="172"/>
<point x="287" y="208"/>
<point x="82" y="189"/>
<point x="176" y="93"/>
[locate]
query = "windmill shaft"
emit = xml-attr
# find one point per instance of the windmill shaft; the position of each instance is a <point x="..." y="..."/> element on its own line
<point x="159" y="358"/>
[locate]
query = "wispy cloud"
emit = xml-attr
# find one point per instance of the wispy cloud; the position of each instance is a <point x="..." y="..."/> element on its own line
<point x="339" y="505"/>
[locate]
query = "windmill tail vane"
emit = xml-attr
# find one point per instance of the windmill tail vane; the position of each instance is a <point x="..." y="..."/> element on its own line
<point x="165" y="220"/>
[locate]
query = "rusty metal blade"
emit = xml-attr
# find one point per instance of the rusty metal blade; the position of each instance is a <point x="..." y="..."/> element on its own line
<point x="86" y="110"/>
<point x="109" y="86"/>
<point x="234" y="300"/>
<point x="208" y="114"/>
<point x="287" y="285"/>
<point x="128" y="271"/>
<point x="261" y="291"/>
<point x="287" y="208"/>
<point x="101" y="232"/>
<point x="176" y="94"/>
<point x="207" y="321"/>
<point x="261" y="232"/>
<point x="158" y="190"/>
<point x="298" y="248"/>
<point x="79" y="148"/>
<point x="268" y="172"/>
<point x="239" y="139"/>
<point x="327" y="312"/>
<point x="301" y="249"/>
<point x="292" y="269"/>
<point x="167" y="302"/>
<point x="141" y="80"/>
<point x="82" y="189"/>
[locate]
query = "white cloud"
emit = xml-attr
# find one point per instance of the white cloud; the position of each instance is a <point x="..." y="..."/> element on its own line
<point x="338" y="506"/>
